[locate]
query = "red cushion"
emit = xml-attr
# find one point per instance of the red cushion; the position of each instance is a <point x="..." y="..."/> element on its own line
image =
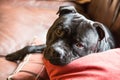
<point x="101" y="66"/>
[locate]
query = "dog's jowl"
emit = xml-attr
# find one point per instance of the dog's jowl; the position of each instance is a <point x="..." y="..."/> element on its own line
<point x="71" y="36"/>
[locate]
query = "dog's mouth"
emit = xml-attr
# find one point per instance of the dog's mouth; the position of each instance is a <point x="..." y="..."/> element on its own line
<point x="57" y="61"/>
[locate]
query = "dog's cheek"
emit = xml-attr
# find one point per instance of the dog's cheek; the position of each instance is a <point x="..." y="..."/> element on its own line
<point x="79" y="51"/>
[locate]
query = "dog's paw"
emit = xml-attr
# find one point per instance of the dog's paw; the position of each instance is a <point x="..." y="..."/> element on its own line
<point x="11" y="57"/>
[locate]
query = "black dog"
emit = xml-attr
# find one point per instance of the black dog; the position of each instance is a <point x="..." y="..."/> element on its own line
<point x="70" y="37"/>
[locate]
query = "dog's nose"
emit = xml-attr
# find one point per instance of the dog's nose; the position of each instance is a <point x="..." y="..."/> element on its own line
<point x="53" y="52"/>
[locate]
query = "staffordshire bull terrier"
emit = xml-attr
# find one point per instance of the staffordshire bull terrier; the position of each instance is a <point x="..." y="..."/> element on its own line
<point x="70" y="37"/>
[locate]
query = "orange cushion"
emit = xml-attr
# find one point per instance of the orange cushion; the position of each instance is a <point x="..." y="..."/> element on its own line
<point x="100" y="66"/>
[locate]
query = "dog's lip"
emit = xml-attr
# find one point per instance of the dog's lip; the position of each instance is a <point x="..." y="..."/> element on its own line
<point x="58" y="61"/>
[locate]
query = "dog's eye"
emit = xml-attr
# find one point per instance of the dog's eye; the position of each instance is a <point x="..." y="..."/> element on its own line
<point x="79" y="45"/>
<point x="59" y="32"/>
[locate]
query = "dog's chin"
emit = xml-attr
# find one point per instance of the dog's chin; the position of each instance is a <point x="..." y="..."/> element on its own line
<point x="59" y="62"/>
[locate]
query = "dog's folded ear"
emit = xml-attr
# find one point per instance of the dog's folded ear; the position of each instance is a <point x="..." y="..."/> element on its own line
<point x="104" y="34"/>
<point x="101" y="30"/>
<point x="66" y="10"/>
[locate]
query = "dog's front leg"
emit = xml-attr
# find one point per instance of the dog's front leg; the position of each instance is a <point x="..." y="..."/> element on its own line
<point x="20" y="54"/>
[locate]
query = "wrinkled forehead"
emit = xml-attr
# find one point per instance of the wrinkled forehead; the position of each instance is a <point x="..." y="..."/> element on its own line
<point x="71" y="18"/>
<point x="86" y="30"/>
<point x="76" y="20"/>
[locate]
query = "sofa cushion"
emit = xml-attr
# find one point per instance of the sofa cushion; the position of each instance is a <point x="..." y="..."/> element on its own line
<point x="100" y="66"/>
<point x="31" y="68"/>
<point x="6" y="68"/>
<point x="19" y="24"/>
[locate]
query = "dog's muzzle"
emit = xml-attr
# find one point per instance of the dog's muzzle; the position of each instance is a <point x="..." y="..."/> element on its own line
<point x="56" y="55"/>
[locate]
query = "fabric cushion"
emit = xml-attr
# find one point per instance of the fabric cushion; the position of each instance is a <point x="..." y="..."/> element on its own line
<point x="31" y="68"/>
<point x="100" y="66"/>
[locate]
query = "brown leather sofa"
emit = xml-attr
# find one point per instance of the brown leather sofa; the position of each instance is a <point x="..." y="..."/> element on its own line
<point x="107" y="12"/>
<point x="21" y="21"/>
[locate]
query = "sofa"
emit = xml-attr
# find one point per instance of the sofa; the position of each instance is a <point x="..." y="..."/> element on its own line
<point x="21" y="21"/>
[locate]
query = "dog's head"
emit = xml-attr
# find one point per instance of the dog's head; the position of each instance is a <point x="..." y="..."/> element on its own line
<point x="73" y="36"/>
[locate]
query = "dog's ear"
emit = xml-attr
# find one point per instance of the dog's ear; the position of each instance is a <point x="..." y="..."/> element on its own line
<point x="66" y="10"/>
<point x="100" y="28"/>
